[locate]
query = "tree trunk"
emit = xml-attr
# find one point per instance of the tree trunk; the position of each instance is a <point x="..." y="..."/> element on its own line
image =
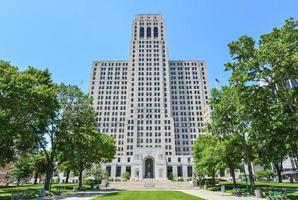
<point x="251" y="177"/>
<point x="249" y="166"/>
<point x="213" y="179"/>
<point x="278" y="170"/>
<point x="67" y="176"/>
<point x="49" y="174"/>
<point x="232" y="172"/>
<point x="295" y="160"/>
<point x="35" y="177"/>
<point x="81" y="178"/>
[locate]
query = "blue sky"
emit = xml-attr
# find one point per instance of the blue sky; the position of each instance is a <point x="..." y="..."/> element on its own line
<point x="67" y="35"/>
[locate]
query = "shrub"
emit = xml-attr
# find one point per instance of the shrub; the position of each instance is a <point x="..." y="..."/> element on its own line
<point x="110" y="179"/>
<point x="263" y="175"/>
<point x="180" y="179"/>
<point x="125" y="176"/>
<point x="170" y="177"/>
<point x="88" y="182"/>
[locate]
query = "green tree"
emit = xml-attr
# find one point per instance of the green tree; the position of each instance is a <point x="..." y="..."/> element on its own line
<point x="231" y="154"/>
<point x="22" y="168"/>
<point x="51" y="139"/>
<point x="125" y="176"/>
<point x="38" y="165"/>
<point x="95" y="174"/>
<point x="27" y="100"/>
<point x="207" y="155"/>
<point x="266" y="174"/>
<point x="230" y="120"/>
<point x="65" y="166"/>
<point x="84" y="146"/>
<point x="271" y="108"/>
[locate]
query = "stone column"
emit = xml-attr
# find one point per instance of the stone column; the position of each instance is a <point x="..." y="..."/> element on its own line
<point x="175" y="171"/>
<point x="123" y="169"/>
<point x="113" y="171"/>
<point x="184" y="171"/>
<point x="132" y="173"/>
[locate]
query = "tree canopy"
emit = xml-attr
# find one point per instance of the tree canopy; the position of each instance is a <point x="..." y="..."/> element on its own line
<point x="84" y="146"/>
<point x="37" y="114"/>
<point x="27" y="99"/>
<point x="257" y="111"/>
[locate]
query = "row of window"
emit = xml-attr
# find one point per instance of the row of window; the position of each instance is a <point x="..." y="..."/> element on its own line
<point x="171" y="63"/>
<point x="111" y="64"/>
<point x="148" y="32"/>
<point x="149" y="55"/>
<point x="148" y="42"/>
<point x="176" y="63"/>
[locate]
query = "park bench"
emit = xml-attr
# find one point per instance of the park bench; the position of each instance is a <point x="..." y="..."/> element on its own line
<point x="240" y="192"/>
<point x="58" y="190"/>
<point x="277" y="195"/>
<point x="215" y="188"/>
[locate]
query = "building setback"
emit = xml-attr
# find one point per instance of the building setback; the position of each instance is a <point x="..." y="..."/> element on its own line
<point x="152" y="106"/>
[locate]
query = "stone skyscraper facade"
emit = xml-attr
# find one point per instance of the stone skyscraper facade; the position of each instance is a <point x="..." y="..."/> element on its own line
<point x="153" y="107"/>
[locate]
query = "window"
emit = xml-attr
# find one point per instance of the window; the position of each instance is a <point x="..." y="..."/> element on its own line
<point x="148" y="32"/>
<point x="108" y="170"/>
<point x="189" y="171"/>
<point x="142" y="32"/>
<point x="118" y="171"/>
<point x="155" y="32"/>
<point x="179" y="169"/>
<point x="169" y="171"/>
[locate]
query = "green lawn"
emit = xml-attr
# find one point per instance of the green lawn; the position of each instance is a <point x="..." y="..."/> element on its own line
<point x="292" y="188"/>
<point x="148" y="195"/>
<point x="5" y="192"/>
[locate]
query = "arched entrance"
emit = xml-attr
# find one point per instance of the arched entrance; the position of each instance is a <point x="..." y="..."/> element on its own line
<point x="149" y="168"/>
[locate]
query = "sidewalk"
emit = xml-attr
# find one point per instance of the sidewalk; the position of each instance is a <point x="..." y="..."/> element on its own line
<point x="205" y="194"/>
<point x="84" y="195"/>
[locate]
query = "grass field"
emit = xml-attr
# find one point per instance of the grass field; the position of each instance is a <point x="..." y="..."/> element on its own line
<point x="148" y="195"/>
<point x="5" y="192"/>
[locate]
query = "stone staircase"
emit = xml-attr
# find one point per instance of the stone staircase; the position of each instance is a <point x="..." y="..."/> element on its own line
<point x="151" y="184"/>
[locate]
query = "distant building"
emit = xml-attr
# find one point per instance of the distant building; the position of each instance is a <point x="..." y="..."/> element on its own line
<point x="153" y="107"/>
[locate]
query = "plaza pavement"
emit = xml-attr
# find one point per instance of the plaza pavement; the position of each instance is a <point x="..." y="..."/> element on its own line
<point x="84" y="195"/>
<point x="205" y="194"/>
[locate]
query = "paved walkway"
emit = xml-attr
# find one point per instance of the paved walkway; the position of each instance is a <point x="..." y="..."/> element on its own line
<point x="79" y="198"/>
<point x="205" y="194"/>
<point x="84" y="195"/>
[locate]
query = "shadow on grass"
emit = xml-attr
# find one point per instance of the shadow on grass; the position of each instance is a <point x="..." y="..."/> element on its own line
<point x="111" y="194"/>
<point x="293" y="196"/>
<point x="5" y="197"/>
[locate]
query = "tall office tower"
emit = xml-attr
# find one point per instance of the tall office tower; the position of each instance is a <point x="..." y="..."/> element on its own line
<point x="153" y="107"/>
